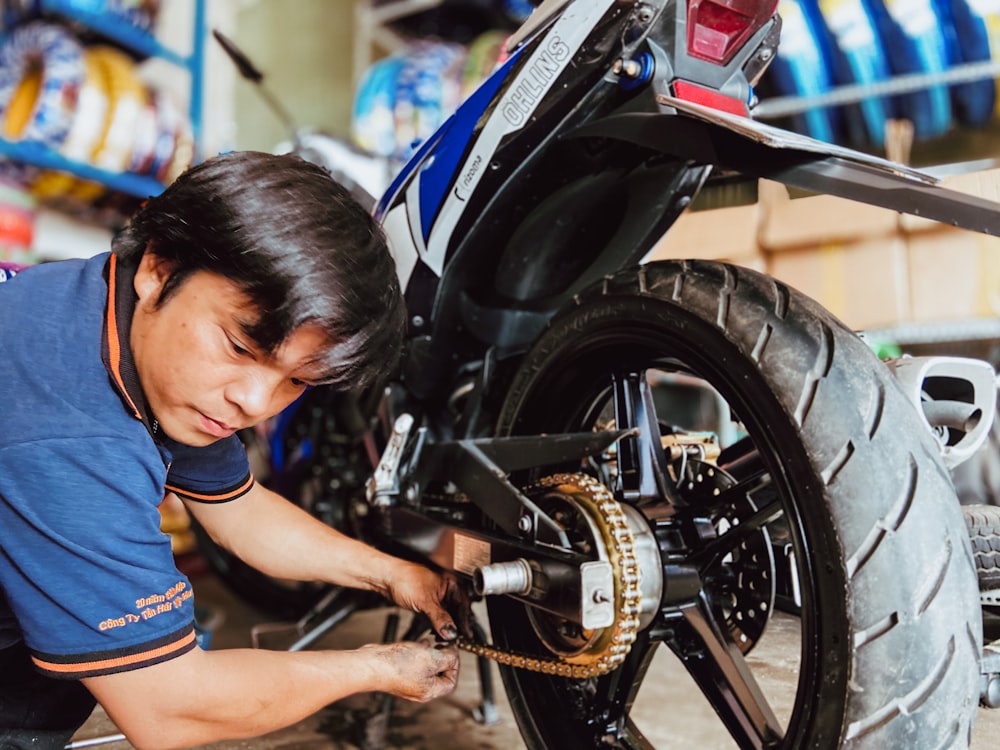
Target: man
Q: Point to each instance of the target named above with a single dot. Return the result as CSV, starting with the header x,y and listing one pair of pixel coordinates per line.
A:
x,y
126,376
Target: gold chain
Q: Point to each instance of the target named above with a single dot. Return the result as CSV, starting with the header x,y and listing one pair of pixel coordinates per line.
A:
x,y
610,650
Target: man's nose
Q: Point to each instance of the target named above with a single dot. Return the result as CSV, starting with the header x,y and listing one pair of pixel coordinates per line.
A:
x,y
253,394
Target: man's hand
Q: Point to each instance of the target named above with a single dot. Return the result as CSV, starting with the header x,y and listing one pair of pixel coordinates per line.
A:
x,y
441,597
416,671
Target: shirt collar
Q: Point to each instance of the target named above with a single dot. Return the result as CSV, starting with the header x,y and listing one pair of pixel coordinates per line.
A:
x,y
116,351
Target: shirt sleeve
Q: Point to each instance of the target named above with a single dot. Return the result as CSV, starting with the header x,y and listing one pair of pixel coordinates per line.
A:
x,y
211,474
83,564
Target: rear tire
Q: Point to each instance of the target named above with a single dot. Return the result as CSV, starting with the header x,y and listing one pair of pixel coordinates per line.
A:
x,y
890,622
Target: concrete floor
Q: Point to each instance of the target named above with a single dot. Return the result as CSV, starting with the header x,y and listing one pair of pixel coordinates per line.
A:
x,y
449,722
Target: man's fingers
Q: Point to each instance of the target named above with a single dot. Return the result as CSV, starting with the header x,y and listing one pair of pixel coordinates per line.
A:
x,y
444,675
419,670
448,661
442,623
457,600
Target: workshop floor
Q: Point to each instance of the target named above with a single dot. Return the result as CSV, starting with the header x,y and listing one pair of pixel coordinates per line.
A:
x,y
449,722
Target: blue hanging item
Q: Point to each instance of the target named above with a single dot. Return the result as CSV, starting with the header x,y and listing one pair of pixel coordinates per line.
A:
x,y
517,10
914,43
801,69
858,58
427,91
968,39
373,125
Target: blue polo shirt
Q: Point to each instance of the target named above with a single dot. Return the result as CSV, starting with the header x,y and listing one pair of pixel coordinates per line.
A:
x,y
87,579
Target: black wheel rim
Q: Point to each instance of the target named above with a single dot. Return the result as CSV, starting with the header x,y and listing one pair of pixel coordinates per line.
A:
x,y
607,712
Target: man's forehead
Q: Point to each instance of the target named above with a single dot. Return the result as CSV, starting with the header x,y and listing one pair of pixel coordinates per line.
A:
x,y
307,347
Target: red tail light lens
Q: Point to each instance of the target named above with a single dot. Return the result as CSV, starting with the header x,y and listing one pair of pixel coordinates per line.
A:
x,y
716,29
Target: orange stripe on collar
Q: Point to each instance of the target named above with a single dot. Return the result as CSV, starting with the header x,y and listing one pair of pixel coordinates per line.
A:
x,y
114,344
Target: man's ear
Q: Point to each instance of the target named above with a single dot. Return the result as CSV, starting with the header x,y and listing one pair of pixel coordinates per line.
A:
x,y
151,275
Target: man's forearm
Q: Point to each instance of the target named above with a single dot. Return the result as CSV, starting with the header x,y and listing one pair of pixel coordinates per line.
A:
x,y
280,539
209,696
206,696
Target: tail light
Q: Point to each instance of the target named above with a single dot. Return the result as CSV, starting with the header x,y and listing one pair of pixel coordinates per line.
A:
x,y
716,29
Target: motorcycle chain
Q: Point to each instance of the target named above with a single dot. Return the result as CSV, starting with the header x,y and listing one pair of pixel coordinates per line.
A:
x,y
609,652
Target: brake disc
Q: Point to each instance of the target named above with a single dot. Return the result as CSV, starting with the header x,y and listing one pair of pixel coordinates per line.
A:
x,y
741,583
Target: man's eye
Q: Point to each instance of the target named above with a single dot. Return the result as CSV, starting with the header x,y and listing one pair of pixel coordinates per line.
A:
x,y
299,383
241,350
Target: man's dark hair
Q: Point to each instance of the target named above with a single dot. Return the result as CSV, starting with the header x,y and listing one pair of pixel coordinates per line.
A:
x,y
295,241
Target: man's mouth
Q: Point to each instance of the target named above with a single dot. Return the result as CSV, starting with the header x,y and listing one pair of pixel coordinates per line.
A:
x,y
216,428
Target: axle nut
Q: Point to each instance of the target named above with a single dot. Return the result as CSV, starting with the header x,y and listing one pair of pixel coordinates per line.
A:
x,y
512,577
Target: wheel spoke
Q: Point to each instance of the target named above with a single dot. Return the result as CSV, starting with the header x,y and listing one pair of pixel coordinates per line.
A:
x,y
616,693
721,671
642,465
730,540
742,461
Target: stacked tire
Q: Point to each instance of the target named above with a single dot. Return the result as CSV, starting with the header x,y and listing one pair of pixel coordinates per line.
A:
x,y
88,104
841,43
404,98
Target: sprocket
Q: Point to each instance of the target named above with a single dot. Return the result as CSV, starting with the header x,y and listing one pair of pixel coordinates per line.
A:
x,y
597,521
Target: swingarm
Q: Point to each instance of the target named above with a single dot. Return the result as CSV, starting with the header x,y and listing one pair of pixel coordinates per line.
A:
x,y
529,555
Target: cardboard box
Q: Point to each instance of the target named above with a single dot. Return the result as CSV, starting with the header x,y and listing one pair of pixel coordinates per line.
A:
x,y
715,234
757,262
864,283
870,267
787,223
953,274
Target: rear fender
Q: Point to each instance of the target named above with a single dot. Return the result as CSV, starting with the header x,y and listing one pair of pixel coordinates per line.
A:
x,y
738,144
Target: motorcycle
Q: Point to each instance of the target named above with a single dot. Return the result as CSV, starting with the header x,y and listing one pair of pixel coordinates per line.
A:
x,y
625,458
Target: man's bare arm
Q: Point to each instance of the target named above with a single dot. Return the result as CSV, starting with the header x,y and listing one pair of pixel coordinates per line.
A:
x,y
278,538
207,696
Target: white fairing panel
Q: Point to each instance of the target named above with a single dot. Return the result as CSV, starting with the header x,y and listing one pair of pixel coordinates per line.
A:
x,y
401,245
515,109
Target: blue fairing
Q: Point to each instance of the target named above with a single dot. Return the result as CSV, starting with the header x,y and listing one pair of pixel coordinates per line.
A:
x,y
451,141
404,174
438,176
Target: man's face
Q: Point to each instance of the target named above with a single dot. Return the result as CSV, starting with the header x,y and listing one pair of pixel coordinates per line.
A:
x,y
202,376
